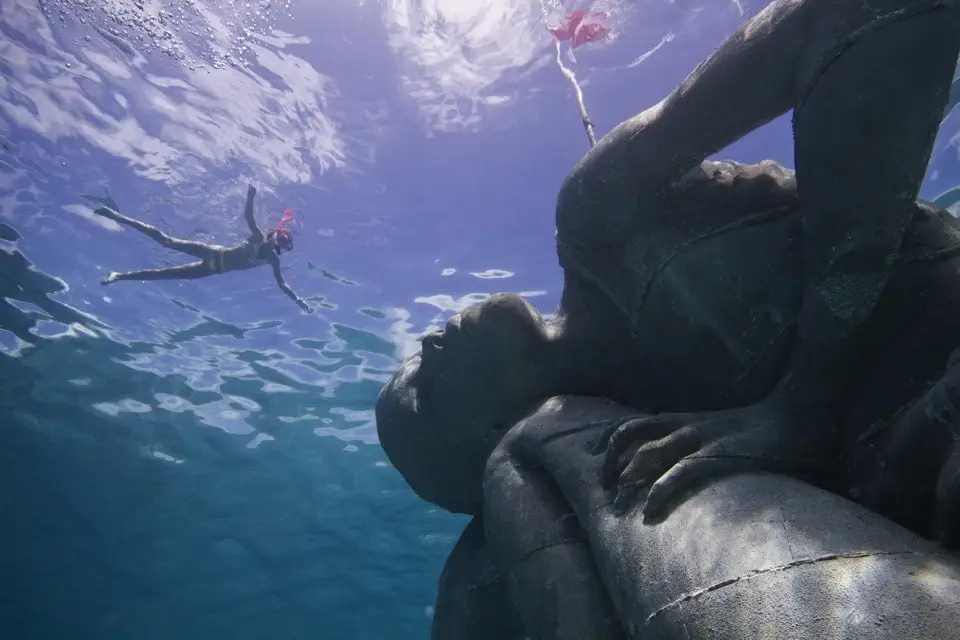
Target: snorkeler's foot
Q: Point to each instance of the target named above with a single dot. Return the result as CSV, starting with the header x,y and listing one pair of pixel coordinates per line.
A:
x,y
106,212
107,201
113,277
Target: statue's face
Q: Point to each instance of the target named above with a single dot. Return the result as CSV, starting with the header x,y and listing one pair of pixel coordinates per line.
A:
x,y
445,408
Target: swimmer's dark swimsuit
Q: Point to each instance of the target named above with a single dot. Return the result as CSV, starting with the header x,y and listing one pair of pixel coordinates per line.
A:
x,y
215,262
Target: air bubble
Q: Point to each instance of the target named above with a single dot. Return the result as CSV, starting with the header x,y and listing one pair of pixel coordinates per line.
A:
x,y
177,30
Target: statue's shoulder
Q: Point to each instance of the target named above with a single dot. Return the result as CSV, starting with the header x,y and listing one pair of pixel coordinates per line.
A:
x,y
720,184
619,242
715,192
560,417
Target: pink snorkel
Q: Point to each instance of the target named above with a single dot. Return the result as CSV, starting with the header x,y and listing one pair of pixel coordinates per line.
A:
x,y
283,234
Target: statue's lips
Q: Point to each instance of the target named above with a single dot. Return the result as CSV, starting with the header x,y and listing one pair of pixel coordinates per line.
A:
x,y
433,345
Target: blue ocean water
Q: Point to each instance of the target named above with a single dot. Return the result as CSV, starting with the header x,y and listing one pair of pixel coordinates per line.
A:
x,y
198,459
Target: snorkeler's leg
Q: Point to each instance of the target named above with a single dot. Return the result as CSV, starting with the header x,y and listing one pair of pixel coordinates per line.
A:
x,y
147,229
181,272
193,248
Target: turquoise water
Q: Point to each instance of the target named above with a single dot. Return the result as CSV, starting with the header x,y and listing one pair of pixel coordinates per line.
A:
x,y
198,459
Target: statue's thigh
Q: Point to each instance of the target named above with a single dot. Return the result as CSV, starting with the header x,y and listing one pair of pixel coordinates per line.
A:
x,y
896,468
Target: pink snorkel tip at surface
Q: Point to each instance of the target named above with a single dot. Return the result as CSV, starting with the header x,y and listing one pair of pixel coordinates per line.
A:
x,y
283,234
285,219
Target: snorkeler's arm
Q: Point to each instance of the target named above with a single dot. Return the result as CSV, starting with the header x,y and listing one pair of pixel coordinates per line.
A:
x,y
286,288
255,231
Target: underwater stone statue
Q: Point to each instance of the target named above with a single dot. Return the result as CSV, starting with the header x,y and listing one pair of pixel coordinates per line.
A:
x,y
750,556
803,322
552,555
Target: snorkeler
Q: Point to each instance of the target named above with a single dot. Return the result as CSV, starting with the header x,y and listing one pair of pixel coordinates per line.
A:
x,y
256,250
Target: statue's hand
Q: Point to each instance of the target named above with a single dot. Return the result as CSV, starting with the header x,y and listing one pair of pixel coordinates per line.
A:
x,y
676,453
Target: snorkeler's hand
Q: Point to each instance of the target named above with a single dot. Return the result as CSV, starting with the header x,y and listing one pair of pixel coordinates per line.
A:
x,y
303,305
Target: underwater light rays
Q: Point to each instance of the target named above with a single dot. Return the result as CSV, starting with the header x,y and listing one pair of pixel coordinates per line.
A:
x,y
167,125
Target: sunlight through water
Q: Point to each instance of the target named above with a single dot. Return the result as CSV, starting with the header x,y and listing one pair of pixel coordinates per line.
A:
x,y
198,458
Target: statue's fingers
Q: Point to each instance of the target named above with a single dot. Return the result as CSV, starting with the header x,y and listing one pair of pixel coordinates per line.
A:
x,y
763,448
629,495
651,461
687,476
627,438
603,442
654,459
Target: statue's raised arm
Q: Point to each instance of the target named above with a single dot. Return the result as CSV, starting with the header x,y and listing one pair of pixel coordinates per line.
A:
x,y
868,83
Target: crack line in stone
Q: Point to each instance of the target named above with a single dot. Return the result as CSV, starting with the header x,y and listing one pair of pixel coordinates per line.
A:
x,y
758,572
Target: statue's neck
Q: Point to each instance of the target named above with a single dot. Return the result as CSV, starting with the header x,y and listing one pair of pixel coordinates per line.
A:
x,y
573,364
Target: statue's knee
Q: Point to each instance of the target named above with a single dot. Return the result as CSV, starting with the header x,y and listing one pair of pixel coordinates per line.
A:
x,y
948,500
953,360
944,399
911,472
